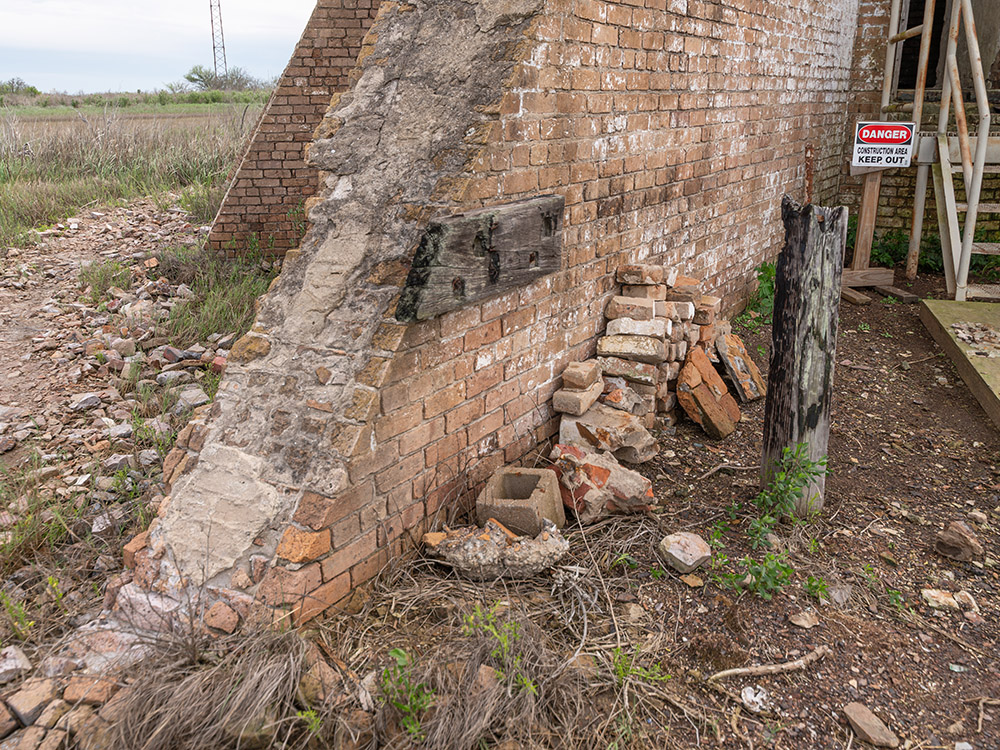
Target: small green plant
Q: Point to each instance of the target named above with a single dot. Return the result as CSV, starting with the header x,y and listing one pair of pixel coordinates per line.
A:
x,y
760,306
814,545
410,698
715,534
55,589
313,720
816,587
17,617
864,327
769,576
896,599
791,477
886,335
625,560
504,636
626,668
656,572
890,300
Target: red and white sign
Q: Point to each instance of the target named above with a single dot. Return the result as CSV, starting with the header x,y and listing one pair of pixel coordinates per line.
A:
x,y
883,144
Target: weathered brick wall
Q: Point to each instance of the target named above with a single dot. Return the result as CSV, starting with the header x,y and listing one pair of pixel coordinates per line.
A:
x,y
264,206
672,129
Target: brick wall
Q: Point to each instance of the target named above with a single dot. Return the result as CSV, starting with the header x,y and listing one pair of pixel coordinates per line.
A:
x,y
264,205
671,127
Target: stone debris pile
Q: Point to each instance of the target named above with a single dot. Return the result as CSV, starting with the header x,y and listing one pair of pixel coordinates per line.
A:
x,y
983,339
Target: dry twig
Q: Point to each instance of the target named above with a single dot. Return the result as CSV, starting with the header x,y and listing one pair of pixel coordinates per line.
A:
x,y
788,666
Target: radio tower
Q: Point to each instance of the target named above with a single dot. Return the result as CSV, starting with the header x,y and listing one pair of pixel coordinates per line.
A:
x,y
218,40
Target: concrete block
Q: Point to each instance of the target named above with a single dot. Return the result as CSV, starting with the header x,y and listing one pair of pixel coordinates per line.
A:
x,y
520,498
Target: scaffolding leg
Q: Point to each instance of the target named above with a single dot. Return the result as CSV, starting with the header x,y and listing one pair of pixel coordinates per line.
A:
x,y
917,222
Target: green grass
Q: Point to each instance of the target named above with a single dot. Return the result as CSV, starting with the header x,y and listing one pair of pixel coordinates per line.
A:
x,y
51,169
98,278
225,292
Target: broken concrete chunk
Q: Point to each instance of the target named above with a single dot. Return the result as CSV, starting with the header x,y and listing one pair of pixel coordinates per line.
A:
x,y
747,381
579,376
522,500
606,429
635,372
577,402
630,307
494,552
684,551
657,327
595,484
636,348
640,274
869,727
958,542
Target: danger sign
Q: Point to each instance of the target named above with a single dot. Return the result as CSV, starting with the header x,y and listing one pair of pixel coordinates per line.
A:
x,y
883,144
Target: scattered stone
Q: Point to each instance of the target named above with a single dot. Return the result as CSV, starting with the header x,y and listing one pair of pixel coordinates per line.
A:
x,y
120,431
692,580
13,664
89,689
173,377
190,398
576,402
806,619
8,723
963,746
966,601
685,551
493,551
607,429
85,402
636,348
978,517
28,702
115,462
579,376
869,727
958,542
522,500
595,484
938,599
222,617
52,713
747,381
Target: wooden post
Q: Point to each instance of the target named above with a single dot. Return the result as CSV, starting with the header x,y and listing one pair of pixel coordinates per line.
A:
x,y
804,338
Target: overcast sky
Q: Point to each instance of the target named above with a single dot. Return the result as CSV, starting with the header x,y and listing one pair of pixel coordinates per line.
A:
x,y
125,45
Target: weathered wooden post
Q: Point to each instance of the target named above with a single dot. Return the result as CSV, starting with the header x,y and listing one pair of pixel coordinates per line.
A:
x,y
804,339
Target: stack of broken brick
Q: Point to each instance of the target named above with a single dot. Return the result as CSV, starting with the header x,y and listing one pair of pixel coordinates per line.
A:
x,y
660,351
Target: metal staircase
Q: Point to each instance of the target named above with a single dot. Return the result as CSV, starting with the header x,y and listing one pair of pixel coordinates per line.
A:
x,y
947,155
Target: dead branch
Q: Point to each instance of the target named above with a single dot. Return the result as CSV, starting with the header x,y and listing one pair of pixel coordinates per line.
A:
x,y
788,666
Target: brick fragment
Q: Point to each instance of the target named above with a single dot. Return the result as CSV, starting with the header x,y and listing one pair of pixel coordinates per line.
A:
x,y
581,375
636,348
657,327
300,546
640,274
520,498
630,307
645,291
576,402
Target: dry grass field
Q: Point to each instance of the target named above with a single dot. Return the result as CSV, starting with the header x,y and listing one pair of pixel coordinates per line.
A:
x,y
54,163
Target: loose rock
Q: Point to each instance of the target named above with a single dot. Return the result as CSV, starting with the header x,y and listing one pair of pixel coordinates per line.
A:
x,y
958,542
869,727
685,551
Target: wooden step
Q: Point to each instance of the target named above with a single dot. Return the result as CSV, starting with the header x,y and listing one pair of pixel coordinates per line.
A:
x,y
986,248
983,291
984,208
